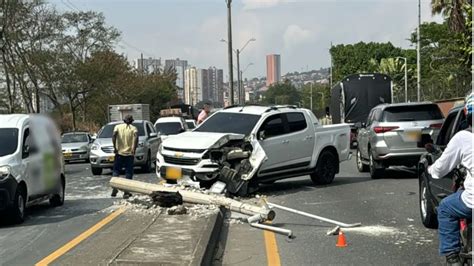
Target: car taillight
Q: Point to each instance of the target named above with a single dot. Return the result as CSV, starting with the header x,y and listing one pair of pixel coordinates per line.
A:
x,y
383,129
437,125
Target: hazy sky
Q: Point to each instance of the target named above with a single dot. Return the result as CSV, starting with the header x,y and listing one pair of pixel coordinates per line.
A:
x,y
300,30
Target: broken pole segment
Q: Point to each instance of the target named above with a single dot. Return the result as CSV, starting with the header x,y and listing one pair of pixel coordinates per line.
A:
x,y
278,230
343,225
195,197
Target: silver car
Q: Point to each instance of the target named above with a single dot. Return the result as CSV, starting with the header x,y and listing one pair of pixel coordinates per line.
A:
x,y
102,150
76,146
391,134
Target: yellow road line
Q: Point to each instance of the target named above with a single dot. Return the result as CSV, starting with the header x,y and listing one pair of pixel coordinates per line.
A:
x,y
273,257
71,244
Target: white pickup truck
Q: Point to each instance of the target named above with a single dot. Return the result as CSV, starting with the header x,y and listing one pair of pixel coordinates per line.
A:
x,y
245,146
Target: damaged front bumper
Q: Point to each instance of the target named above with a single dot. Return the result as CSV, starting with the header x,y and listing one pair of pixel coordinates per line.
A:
x,y
233,159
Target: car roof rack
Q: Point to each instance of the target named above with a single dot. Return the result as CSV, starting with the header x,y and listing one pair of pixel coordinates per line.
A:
x,y
276,107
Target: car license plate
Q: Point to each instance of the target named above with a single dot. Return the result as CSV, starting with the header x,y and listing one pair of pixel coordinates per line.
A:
x,y
414,135
173,173
67,154
111,159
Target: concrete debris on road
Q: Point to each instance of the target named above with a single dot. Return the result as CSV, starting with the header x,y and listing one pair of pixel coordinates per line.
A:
x,y
192,196
177,210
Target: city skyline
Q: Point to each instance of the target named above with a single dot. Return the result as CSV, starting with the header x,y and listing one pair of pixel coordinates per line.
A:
x,y
301,31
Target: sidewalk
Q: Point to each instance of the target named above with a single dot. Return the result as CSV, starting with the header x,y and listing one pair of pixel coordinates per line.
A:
x,y
136,239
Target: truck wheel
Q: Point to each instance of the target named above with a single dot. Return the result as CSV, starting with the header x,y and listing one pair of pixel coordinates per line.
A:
x,y
428,215
326,168
360,164
96,170
58,199
19,206
375,172
147,167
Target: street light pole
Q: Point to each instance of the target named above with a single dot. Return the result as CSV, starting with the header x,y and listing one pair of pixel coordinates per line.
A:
x,y
239,76
229,42
242,91
418,59
239,96
311,99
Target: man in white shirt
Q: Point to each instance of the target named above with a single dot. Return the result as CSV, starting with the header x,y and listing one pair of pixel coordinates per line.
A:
x,y
457,205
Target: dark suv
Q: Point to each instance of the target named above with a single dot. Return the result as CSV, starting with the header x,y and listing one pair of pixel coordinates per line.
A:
x,y
432,191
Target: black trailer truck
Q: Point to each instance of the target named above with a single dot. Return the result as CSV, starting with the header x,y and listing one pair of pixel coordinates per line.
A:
x,y
354,97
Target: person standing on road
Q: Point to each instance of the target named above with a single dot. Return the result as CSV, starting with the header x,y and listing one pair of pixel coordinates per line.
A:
x,y
204,113
327,119
459,204
125,141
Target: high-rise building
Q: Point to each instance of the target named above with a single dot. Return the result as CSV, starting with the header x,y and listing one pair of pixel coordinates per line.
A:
x,y
180,66
216,85
273,69
148,64
191,88
203,84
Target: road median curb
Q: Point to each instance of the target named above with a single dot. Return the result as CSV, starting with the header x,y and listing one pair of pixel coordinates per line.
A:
x,y
209,240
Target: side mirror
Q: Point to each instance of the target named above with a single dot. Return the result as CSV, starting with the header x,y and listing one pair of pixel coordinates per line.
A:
x,y
153,135
261,135
26,151
425,139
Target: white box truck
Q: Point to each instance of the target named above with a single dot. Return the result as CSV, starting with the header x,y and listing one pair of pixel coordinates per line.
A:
x,y
138,111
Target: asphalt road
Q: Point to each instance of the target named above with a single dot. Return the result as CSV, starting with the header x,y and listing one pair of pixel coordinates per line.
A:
x,y
392,233
46,229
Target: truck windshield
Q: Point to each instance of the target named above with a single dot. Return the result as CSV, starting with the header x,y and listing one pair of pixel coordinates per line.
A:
x,y
74,138
170,128
229,123
8,141
108,130
412,113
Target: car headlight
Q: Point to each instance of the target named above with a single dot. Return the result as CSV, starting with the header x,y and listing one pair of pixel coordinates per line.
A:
x,y
84,148
4,172
95,147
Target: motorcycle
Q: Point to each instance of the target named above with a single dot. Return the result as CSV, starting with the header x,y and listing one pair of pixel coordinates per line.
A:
x,y
459,175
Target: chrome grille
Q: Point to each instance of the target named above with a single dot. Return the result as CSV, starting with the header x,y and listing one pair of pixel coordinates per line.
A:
x,y
185,150
181,161
108,149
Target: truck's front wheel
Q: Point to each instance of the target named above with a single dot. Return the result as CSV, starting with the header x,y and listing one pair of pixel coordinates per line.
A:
x,y
326,168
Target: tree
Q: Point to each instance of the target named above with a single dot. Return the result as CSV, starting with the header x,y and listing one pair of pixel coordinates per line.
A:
x,y
321,97
281,94
395,69
454,11
356,58
444,73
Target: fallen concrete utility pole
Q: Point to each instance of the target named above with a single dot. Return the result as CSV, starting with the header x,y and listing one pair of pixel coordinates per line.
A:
x,y
194,197
343,225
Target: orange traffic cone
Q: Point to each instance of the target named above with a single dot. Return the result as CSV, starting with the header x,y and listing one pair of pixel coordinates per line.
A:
x,y
341,240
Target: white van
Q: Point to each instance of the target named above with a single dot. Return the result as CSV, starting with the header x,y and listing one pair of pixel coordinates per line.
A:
x,y
31,164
